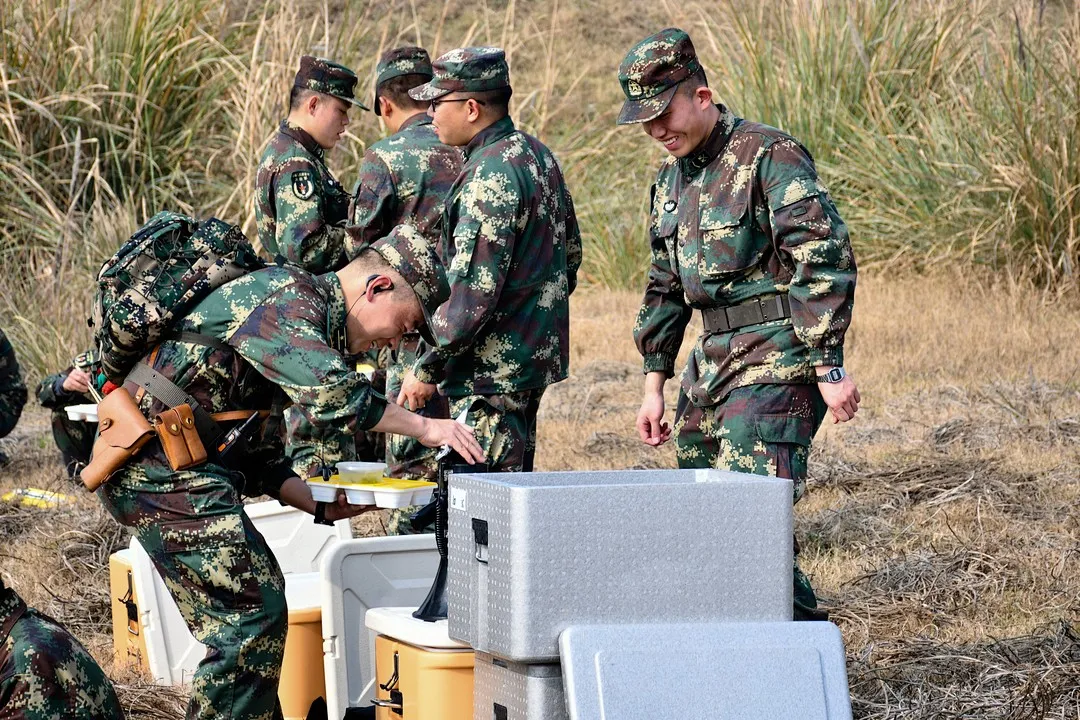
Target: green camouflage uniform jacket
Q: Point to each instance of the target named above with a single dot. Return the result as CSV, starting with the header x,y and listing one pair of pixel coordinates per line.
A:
x,y
742,217
74,438
403,178
512,249
300,209
284,328
45,674
12,387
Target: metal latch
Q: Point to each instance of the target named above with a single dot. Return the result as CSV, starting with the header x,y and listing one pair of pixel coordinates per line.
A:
x,y
480,538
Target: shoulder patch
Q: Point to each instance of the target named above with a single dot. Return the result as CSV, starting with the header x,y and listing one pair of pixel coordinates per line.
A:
x,y
302,184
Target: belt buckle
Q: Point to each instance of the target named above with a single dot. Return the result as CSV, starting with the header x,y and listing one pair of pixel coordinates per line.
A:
x,y
763,306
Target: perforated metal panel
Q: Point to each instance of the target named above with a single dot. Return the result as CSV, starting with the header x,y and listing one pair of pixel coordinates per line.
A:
x,y
515,691
584,548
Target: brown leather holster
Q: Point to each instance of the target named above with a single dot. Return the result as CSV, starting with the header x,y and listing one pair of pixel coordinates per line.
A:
x,y
122,432
179,437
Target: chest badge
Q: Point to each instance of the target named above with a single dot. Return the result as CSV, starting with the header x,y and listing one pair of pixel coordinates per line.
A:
x,y
302,184
670,206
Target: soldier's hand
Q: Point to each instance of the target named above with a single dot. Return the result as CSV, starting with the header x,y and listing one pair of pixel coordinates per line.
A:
x,y
77,381
650,425
842,398
457,435
341,508
414,394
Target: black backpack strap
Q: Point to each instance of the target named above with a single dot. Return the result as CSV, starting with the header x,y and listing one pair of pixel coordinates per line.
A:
x,y
166,391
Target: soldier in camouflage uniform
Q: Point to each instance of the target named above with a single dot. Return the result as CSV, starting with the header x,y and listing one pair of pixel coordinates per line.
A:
x,y
74,438
404,178
12,390
45,673
300,209
275,330
513,248
743,231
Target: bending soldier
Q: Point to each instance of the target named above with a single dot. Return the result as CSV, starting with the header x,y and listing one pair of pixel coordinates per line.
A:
x,y
276,330
513,248
742,231
74,438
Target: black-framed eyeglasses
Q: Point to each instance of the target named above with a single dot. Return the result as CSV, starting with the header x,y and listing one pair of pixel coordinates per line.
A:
x,y
436,103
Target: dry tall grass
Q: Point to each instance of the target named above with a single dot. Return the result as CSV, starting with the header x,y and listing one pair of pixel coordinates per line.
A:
x,y
940,526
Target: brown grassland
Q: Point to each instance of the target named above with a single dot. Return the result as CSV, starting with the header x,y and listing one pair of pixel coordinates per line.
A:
x,y
940,525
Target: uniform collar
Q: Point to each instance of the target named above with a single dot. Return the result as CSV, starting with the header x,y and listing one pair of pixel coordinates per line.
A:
x,y
335,313
420,118
12,608
301,136
713,145
492,133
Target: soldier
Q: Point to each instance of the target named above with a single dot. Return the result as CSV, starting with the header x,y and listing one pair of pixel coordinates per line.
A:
x,y
300,209
404,178
12,391
279,329
45,672
743,231
74,438
511,240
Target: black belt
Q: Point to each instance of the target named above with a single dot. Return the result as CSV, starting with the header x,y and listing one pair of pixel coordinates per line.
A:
x,y
751,312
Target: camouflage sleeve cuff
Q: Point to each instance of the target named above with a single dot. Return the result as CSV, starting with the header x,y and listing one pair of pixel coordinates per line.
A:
x,y
372,414
826,356
660,362
427,369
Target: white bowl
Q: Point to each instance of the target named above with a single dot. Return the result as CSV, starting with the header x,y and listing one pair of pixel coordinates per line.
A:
x,y
360,471
322,492
393,498
360,497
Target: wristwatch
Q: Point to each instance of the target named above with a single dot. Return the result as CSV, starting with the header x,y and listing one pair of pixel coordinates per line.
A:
x,y
833,376
320,514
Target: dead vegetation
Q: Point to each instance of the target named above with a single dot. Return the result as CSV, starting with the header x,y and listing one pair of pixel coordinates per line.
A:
x,y
939,528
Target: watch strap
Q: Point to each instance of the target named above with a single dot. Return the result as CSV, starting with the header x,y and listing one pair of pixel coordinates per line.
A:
x,y
320,514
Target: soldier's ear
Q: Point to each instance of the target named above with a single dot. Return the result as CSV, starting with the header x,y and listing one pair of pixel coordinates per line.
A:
x,y
704,96
385,107
377,284
312,103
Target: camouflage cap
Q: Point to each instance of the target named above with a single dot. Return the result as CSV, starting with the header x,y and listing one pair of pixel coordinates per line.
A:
x,y
471,69
652,70
413,257
327,77
408,60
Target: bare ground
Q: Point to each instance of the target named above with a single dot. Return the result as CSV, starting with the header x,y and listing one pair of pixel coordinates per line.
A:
x,y
940,527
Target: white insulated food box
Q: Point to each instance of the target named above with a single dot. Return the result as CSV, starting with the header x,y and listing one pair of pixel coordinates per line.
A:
x,y
516,691
531,554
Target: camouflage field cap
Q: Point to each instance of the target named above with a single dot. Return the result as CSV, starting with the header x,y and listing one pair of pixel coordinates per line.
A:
x,y
471,69
327,77
652,70
409,60
413,257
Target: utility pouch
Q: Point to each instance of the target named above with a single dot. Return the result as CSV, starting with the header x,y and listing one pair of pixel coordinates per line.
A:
x,y
179,437
122,432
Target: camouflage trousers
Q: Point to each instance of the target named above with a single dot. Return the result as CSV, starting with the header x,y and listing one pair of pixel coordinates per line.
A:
x,y
45,673
505,427
74,439
227,585
757,429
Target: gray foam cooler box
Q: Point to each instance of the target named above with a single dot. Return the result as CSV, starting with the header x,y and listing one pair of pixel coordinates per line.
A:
x,y
724,671
532,553
516,691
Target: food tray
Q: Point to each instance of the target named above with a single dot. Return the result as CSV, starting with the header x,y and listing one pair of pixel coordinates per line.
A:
x,y
86,412
385,493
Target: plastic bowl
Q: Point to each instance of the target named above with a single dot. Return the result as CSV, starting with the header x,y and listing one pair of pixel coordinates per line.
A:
x,y
361,472
321,491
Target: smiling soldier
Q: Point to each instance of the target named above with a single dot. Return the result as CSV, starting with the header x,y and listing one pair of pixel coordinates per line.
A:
x,y
742,231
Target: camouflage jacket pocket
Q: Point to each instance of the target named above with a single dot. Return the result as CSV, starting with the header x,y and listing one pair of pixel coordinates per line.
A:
x,y
211,558
728,241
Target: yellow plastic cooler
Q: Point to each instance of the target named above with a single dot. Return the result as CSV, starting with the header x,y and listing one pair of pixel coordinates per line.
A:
x,y
420,673
129,645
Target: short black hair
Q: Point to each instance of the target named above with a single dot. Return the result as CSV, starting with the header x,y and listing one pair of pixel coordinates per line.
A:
x,y
693,82
497,100
396,90
297,97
